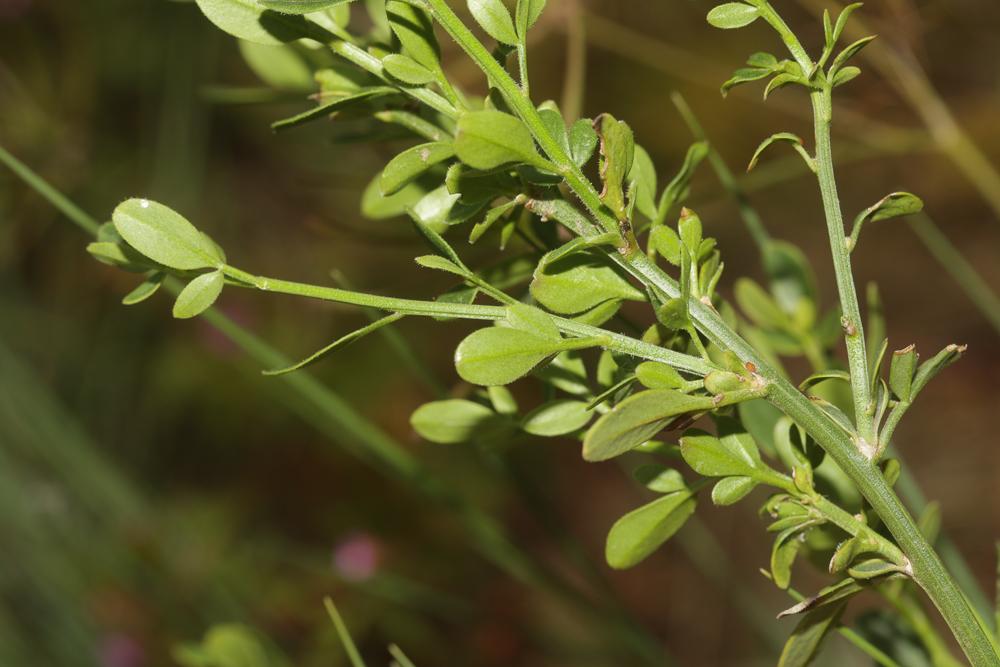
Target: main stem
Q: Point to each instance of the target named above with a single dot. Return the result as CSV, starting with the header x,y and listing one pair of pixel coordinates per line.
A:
x,y
853,326
925,564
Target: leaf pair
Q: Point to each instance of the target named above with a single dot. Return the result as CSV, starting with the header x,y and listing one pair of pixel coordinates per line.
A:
x,y
495,19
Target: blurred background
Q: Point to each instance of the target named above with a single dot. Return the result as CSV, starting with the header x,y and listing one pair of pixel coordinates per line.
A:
x,y
154,485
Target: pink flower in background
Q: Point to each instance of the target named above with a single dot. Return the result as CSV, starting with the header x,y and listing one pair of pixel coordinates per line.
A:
x,y
356,557
120,650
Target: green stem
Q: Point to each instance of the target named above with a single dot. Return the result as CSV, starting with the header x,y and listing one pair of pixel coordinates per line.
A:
x,y
583,335
857,355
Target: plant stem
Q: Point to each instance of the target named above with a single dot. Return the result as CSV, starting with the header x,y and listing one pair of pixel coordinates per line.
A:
x,y
857,355
582,334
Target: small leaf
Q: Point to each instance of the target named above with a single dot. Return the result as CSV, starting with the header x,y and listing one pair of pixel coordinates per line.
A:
x,y
642,531
930,368
337,344
896,205
655,375
456,421
528,12
786,137
253,22
199,295
678,187
802,647
689,229
838,30
490,139
617,154
580,282
643,178
745,75
411,163
832,594
557,418
300,6
902,371
846,75
659,479
360,98
734,454
415,32
583,141
849,52
758,305
492,216
823,376
786,548
665,241
872,569
145,289
500,355
733,15
494,18
637,419
164,236
406,69
731,490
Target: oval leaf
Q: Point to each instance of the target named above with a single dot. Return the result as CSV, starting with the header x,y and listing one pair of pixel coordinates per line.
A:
x,y
501,355
489,139
493,17
637,419
557,418
455,421
733,15
199,295
164,236
407,70
641,532
411,163
253,22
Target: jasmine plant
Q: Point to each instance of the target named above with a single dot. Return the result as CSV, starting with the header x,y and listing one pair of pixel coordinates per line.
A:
x,y
699,397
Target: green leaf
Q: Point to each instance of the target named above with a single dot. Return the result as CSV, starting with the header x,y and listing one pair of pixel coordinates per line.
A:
x,y
902,371
494,18
492,216
406,69
415,32
733,15
744,75
664,241
583,141
732,455
656,375
731,490
145,289
873,568
617,154
165,236
786,137
376,206
280,66
930,368
490,139
360,98
557,418
199,295
411,163
690,231
337,344
832,594
500,355
579,282
659,479
528,12
455,421
849,52
642,531
758,305
637,419
249,20
823,376
846,75
786,548
803,645
643,177
678,187
300,6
